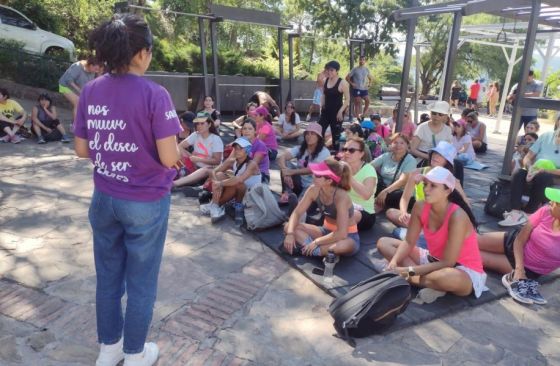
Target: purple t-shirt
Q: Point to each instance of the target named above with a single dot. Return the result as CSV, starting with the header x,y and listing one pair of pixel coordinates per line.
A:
x,y
258,147
121,117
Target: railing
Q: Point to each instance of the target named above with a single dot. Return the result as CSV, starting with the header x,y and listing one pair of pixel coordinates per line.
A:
x,y
31,69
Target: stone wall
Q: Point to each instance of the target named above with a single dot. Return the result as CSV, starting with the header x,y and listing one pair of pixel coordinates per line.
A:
x,y
20,91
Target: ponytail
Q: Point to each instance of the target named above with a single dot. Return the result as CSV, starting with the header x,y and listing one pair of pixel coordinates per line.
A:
x,y
456,198
342,170
117,41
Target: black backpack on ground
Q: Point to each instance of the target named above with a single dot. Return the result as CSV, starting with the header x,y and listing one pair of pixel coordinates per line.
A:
x,y
499,199
371,306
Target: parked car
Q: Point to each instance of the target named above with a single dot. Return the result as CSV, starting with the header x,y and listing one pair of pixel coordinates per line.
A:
x,y
16,26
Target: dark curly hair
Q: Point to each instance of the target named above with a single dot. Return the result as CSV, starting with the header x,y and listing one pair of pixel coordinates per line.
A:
x,y
117,41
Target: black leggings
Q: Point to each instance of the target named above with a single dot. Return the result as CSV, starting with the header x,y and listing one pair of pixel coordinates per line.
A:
x,y
327,119
296,179
393,199
535,188
367,221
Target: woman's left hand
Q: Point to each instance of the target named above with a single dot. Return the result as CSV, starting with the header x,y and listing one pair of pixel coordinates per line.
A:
x,y
380,199
401,271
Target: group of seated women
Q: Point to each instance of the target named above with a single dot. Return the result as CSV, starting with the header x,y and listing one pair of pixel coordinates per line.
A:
x,y
437,246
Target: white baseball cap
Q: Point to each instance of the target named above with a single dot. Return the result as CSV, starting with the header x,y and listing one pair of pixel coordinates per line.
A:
x,y
440,175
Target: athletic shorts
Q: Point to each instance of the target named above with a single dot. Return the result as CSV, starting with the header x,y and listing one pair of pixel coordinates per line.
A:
x,y
317,94
471,101
324,231
359,93
478,279
509,238
64,89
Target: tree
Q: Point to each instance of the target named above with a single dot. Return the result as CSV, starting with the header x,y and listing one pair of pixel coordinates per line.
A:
x,y
369,20
432,58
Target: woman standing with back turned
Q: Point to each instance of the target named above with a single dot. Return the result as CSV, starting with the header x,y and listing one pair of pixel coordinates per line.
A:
x,y
127,125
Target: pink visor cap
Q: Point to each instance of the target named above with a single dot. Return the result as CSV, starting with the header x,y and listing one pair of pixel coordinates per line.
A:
x,y
441,176
323,170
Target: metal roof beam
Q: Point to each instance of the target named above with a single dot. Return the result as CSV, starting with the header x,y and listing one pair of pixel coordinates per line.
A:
x,y
487,6
418,12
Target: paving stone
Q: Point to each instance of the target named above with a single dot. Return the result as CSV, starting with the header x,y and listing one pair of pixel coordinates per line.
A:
x,y
33,276
438,335
9,350
73,353
37,341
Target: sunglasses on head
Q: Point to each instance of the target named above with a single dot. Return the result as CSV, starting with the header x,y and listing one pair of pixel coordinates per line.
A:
x,y
351,150
438,114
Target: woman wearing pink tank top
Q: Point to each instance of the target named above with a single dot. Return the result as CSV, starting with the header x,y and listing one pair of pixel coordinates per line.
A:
x,y
452,262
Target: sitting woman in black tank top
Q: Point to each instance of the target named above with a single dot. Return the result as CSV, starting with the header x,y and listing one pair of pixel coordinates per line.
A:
x,y
339,232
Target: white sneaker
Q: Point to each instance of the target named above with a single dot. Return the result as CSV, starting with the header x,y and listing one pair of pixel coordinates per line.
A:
x,y
206,208
428,296
514,218
110,354
217,213
145,358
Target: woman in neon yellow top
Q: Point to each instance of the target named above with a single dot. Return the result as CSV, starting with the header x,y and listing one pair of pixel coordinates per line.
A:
x,y
442,155
363,182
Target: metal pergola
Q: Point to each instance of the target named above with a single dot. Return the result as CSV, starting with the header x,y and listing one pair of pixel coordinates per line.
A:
x,y
534,12
509,39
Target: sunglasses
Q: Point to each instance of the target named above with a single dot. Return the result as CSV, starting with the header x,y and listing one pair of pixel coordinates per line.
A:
x,y
438,114
320,176
351,150
469,121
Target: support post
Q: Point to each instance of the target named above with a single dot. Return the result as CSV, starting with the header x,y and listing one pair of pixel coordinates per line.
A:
x,y
291,62
202,39
416,85
280,67
525,66
214,42
548,56
351,103
410,29
451,55
505,87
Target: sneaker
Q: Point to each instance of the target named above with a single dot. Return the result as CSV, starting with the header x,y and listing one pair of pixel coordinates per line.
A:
x,y
110,354
534,293
519,290
41,141
147,357
65,139
206,208
16,139
514,218
428,296
217,213
6,138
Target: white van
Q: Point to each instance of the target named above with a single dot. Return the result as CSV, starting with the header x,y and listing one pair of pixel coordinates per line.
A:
x,y
16,26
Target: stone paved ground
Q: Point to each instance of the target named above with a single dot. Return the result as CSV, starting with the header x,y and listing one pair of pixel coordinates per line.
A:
x,y
224,298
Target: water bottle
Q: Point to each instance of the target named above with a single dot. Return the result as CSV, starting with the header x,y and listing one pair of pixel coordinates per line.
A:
x,y
239,214
330,261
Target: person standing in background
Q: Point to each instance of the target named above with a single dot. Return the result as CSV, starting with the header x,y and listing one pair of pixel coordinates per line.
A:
x,y
472,101
360,79
73,80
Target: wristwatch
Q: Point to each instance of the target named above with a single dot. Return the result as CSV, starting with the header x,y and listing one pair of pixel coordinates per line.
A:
x,y
411,271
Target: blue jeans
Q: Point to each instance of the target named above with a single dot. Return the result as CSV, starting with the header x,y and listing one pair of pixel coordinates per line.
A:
x,y
128,239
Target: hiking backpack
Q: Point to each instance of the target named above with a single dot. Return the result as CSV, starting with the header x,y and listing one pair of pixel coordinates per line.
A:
x,y
371,306
261,208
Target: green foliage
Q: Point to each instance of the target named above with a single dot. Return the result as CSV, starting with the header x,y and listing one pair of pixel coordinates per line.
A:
x,y
73,19
29,69
553,84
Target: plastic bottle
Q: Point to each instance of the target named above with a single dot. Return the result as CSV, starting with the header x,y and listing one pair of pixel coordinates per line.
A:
x,y
239,214
330,261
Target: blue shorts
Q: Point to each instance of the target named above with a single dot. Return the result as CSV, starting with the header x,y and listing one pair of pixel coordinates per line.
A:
x,y
359,93
324,231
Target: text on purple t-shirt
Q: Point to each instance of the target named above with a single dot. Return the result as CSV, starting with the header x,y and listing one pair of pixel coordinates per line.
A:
x,y
121,117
